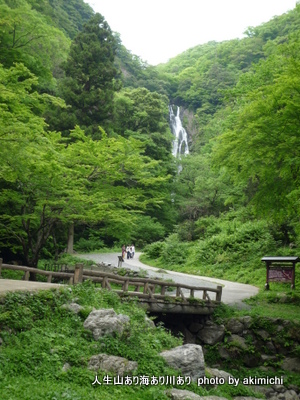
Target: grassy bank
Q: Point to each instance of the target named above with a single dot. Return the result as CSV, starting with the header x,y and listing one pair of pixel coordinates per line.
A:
x,y
44,350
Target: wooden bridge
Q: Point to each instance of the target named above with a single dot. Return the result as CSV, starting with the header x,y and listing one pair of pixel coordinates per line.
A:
x,y
156,296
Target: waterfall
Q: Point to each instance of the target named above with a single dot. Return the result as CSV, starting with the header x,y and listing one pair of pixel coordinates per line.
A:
x,y
180,142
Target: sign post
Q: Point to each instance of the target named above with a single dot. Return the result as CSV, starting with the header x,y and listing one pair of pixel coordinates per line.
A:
x,y
280,269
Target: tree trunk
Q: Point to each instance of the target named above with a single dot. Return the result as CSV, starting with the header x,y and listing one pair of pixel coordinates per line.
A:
x,y
70,239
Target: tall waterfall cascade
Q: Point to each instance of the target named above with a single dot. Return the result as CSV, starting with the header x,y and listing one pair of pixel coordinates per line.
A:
x,y
180,142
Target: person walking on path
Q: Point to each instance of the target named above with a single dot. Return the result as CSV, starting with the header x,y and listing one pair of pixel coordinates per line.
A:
x,y
128,252
132,248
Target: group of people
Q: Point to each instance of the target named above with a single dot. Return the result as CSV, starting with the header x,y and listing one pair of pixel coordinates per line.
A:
x,y
128,251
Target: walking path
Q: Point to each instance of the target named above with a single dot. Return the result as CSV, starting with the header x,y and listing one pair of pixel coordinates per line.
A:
x,y
233,293
11,285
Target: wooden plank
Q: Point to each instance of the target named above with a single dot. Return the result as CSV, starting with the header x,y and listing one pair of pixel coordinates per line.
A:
x,y
182,295
108,285
150,292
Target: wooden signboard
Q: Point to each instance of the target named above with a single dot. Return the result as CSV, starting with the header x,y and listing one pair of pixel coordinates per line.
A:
x,y
280,269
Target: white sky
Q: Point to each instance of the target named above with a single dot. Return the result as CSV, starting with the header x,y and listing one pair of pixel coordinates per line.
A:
x,y
157,30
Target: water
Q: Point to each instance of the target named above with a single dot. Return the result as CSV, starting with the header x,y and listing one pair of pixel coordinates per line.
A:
x,y
180,142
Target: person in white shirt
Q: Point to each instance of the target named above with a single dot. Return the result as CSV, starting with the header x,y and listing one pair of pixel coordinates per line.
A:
x,y
128,252
132,250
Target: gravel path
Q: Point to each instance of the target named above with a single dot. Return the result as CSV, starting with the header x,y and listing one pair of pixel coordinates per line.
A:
x,y
233,293
11,285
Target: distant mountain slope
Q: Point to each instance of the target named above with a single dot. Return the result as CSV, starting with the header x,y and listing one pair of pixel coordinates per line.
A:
x,y
69,16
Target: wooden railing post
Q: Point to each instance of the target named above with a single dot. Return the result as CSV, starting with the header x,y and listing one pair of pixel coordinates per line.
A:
x,y
78,274
103,283
126,285
219,294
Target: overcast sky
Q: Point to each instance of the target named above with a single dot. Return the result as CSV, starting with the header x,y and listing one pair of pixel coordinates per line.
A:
x,y
157,30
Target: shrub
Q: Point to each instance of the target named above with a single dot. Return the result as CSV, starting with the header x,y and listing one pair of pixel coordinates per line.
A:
x,y
174,252
147,230
86,245
229,244
154,250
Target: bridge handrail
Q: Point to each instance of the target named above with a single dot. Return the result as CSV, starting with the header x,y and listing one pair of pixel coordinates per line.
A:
x,y
147,285
28,270
88,272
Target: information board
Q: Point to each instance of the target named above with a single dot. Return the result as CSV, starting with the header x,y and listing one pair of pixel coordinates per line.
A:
x,y
280,269
280,274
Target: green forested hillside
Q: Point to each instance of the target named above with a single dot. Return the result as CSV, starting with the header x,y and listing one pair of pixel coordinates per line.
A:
x,y
69,157
87,144
69,16
238,193
85,148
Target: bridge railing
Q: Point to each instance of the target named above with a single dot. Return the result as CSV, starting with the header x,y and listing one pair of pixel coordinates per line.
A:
x,y
28,270
143,288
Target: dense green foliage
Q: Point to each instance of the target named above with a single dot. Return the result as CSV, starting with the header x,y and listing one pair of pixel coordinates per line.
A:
x,y
69,16
228,247
237,196
67,157
50,184
26,37
80,150
112,174
90,79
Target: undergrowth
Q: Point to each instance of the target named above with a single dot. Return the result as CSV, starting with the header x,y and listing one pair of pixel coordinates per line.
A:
x,y
44,350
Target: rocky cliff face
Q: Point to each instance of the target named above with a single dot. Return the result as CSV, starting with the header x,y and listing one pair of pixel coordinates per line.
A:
x,y
190,123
